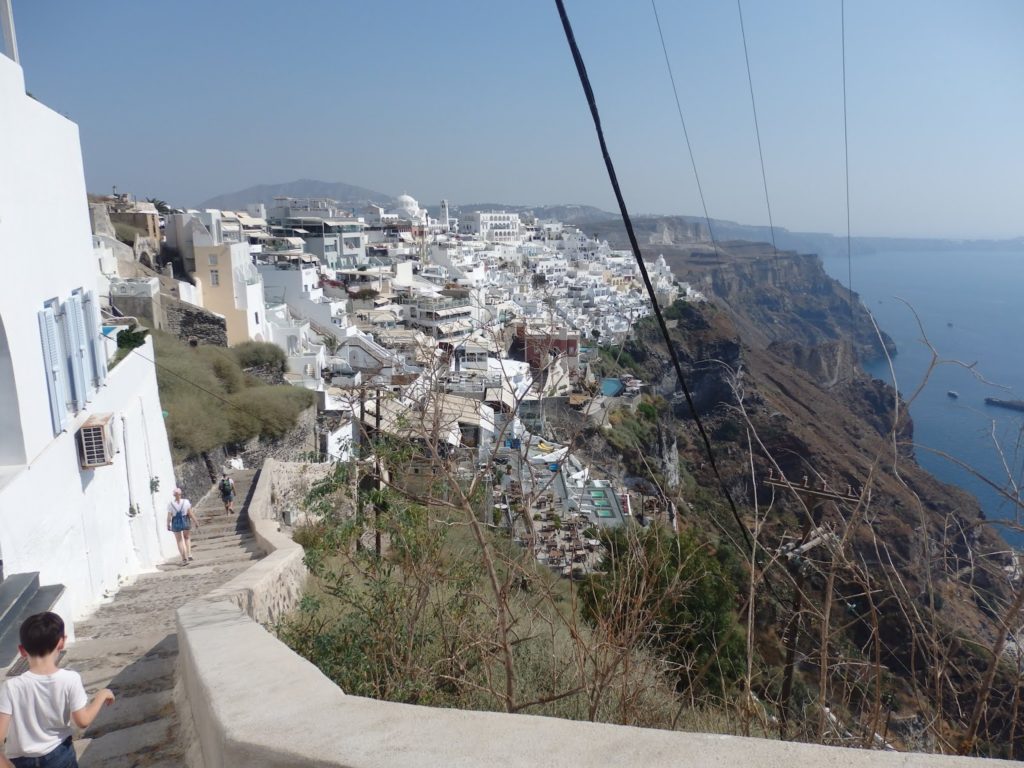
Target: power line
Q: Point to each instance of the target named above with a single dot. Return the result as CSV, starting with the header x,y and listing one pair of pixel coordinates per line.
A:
x,y
634,244
846,158
757,131
682,122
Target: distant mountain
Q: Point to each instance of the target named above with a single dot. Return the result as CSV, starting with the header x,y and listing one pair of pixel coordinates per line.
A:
x,y
669,232
349,195
673,233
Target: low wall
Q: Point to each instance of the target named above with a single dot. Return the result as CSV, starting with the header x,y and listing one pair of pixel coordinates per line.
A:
x,y
273,586
254,702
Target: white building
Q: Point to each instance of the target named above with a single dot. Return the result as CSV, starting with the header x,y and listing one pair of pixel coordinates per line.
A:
x,y
493,226
217,255
295,281
85,468
408,209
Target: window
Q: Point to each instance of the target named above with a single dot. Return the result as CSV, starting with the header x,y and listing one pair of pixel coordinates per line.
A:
x,y
213,259
257,317
214,277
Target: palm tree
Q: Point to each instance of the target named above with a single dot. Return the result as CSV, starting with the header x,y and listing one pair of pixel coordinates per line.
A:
x,y
161,206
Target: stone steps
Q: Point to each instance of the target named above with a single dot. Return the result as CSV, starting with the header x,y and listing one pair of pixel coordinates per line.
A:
x,y
21,596
145,744
130,645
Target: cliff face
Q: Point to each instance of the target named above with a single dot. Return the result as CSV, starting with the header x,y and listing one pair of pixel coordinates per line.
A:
x,y
773,357
788,299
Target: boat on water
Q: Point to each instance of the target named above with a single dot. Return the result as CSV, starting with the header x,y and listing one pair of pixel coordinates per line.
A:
x,y
953,394
1013,405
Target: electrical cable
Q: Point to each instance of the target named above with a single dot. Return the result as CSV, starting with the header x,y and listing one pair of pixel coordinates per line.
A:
x,y
634,244
757,131
686,135
846,159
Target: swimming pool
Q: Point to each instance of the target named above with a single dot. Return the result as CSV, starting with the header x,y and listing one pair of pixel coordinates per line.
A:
x,y
612,387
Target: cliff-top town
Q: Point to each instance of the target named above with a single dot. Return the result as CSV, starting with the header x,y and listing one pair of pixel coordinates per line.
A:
x,y
319,481
496,313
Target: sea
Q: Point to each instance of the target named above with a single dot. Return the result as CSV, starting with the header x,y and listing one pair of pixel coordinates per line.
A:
x,y
969,305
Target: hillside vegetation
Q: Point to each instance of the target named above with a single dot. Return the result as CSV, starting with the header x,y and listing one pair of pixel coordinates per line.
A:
x,y
210,400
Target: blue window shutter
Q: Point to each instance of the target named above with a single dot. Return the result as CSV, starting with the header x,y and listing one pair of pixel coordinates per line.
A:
x,y
74,330
94,332
54,369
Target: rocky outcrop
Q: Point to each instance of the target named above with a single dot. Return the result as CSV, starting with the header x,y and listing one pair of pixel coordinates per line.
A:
x,y
789,298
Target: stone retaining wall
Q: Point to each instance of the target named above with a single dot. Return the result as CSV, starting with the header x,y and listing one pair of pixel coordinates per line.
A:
x,y
187,321
254,702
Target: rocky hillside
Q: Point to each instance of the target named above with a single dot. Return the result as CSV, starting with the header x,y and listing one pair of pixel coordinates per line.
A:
x,y
908,585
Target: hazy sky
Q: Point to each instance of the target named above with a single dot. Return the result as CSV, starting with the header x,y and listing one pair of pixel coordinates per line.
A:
x,y
476,100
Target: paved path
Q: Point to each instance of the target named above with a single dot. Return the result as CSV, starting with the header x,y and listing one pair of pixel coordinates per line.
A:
x,y
130,644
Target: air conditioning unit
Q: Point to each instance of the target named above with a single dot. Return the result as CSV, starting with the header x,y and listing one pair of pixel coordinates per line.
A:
x,y
95,447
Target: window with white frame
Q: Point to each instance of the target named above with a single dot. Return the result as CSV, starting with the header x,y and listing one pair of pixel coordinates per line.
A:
x,y
214,277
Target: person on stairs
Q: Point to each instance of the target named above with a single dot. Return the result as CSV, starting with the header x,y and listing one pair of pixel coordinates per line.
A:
x,y
227,492
37,707
181,520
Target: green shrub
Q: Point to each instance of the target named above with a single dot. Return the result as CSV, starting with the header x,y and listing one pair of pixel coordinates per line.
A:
x,y
683,589
131,337
211,402
251,354
267,411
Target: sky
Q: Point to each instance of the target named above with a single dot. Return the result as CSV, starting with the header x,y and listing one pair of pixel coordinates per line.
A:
x,y
479,101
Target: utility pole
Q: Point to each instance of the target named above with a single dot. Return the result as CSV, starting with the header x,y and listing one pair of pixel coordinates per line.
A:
x,y
361,434
812,499
376,460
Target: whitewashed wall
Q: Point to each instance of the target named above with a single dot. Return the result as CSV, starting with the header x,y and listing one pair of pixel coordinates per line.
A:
x,y
72,526
45,237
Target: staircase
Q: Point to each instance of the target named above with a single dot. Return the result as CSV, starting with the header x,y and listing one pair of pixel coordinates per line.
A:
x,y
131,646
20,597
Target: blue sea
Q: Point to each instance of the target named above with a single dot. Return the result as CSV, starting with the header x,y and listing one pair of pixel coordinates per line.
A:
x,y
971,307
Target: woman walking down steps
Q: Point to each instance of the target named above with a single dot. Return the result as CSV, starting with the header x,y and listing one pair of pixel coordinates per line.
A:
x,y
130,644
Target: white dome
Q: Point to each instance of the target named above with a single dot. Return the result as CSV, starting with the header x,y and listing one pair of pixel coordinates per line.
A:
x,y
407,208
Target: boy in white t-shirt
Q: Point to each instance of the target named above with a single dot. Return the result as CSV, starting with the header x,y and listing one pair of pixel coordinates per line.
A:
x,y
38,706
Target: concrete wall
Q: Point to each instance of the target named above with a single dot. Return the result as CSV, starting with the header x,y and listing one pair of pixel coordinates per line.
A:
x,y
147,309
249,700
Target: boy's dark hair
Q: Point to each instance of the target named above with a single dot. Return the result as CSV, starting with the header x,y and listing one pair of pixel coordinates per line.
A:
x,y
41,633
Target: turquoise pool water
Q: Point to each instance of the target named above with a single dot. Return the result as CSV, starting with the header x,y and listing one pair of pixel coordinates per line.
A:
x,y
612,387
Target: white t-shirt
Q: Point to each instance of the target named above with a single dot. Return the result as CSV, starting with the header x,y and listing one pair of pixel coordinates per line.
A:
x,y
40,707
179,508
